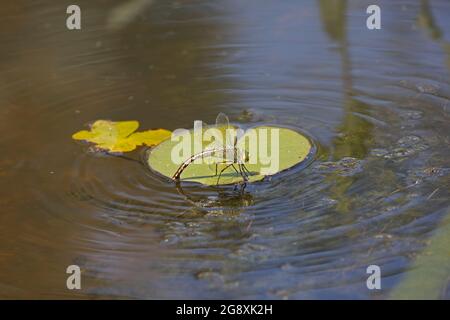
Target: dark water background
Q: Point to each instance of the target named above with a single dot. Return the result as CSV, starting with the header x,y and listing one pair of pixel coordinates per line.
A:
x,y
376,103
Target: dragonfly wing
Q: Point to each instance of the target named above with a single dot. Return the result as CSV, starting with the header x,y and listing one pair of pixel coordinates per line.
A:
x,y
226,148
220,155
228,134
222,120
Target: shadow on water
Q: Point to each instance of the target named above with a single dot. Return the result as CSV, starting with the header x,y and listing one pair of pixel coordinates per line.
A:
x,y
376,103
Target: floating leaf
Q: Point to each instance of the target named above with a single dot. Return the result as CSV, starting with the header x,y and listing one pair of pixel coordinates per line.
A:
x,y
293,149
119,136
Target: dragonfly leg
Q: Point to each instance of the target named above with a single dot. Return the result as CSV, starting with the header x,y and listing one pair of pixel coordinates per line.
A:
x,y
243,173
221,171
235,168
240,172
244,177
248,173
243,187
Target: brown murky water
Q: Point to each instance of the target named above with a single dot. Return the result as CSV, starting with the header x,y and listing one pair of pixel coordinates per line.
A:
x,y
376,103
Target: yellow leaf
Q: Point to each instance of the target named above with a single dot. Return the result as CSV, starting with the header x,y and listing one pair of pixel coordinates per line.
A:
x,y
119,136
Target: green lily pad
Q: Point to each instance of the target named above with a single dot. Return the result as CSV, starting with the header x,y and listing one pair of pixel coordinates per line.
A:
x,y
293,148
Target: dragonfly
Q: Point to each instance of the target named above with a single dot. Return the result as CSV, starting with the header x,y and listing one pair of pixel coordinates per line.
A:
x,y
223,152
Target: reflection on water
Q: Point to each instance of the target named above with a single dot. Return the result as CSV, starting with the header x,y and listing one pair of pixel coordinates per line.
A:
x,y
375,102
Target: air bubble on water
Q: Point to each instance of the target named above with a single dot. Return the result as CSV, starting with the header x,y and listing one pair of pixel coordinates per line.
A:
x,y
379,152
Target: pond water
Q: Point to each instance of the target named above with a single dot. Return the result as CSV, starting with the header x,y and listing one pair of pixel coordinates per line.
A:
x,y
376,104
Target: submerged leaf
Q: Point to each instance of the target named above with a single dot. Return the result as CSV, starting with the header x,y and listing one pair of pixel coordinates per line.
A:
x,y
119,137
430,273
